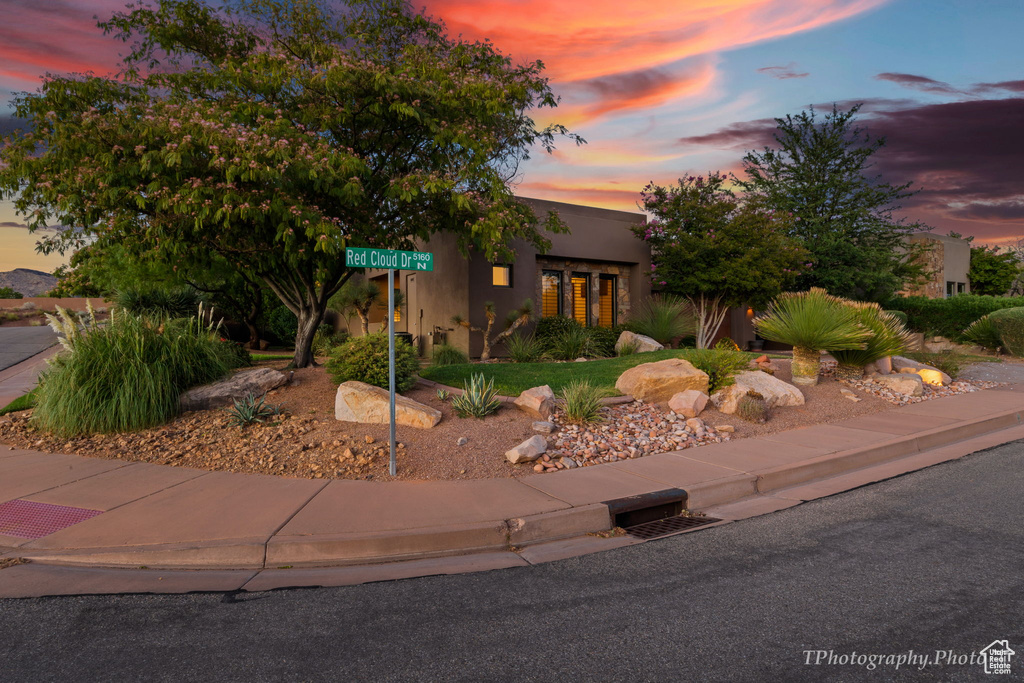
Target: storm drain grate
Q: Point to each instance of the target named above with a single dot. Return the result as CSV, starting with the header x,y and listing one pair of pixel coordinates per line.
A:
x,y
28,519
669,525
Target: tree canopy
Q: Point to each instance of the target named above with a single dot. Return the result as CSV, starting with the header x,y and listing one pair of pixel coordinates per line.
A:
x,y
276,134
993,271
716,250
844,216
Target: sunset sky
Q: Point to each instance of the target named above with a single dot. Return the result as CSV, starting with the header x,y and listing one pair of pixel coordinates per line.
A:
x,y
666,88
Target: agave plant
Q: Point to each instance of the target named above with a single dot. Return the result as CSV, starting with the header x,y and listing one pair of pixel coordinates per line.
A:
x,y
888,337
478,398
811,322
251,410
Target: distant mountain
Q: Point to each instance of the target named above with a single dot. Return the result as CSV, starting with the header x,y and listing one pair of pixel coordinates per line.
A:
x,y
28,282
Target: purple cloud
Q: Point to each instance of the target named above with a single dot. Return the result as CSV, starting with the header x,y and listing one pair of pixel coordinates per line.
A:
x,y
922,83
783,72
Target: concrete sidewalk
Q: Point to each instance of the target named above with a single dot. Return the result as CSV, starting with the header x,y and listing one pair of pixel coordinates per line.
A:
x,y
71,514
21,378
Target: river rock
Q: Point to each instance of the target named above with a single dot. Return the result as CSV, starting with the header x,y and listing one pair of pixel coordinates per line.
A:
x,y
640,342
538,402
257,382
776,393
688,403
527,451
367,404
908,384
660,381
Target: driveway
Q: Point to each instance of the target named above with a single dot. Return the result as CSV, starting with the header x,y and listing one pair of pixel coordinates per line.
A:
x,y
20,343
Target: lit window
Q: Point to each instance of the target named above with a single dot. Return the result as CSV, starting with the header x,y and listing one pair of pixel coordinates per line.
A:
x,y
581,298
607,301
501,276
551,293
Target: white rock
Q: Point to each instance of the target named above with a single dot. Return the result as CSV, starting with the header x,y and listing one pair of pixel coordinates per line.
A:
x,y
527,451
542,427
257,382
641,343
908,384
538,402
367,404
462,441
776,393
688,403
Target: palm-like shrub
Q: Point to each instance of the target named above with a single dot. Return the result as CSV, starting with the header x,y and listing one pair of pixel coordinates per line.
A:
x,y
983,332
155,302
663,318
889,337
811,322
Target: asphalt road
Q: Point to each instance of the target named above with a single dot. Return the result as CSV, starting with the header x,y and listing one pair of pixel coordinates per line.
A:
x,y
932,561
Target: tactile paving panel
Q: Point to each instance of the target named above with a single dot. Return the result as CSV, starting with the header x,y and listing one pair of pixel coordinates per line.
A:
x,y
28,519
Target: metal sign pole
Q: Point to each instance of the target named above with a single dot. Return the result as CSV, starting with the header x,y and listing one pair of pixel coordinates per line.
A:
x,y
391,359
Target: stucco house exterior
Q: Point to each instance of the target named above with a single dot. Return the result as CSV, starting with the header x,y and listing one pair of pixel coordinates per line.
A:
x,y
948,260
593,273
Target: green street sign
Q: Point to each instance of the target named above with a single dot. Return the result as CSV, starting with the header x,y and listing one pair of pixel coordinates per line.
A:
x,y
389,259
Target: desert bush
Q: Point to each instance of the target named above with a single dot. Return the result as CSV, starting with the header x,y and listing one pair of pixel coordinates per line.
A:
x,y
602,341
125,375
570,344
752,407
446,354
478,398
888,337
663,318
553,326
155,302
984,333
282,325
811,322
720,363
1009,323
365,359
325,339
949,317
8,293
582,402
524,348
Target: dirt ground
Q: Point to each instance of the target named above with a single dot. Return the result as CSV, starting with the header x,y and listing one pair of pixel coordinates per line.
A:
x,y
307,441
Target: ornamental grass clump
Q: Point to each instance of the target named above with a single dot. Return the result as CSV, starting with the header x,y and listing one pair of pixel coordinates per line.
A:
x,y
582,402
478,398
663,318
983,332
570,344
125,375
889,337
810,322
446,354
524,348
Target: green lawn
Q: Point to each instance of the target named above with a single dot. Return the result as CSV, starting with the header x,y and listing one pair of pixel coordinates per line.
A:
x,y
23,402
511,379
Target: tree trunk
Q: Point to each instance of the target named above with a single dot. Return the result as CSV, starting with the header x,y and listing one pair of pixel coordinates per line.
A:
x,y
806,364
364,321
254,335
710,314
844,371
309,320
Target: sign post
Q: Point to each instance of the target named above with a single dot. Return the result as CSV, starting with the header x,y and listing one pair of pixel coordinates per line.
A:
x,y
392,260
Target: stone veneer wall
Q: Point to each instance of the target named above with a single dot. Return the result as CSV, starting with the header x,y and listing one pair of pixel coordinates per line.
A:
x,y
594,269
933,258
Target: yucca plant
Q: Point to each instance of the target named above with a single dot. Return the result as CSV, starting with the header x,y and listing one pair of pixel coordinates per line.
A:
x,y
582,402
889,337
983,332
811,322
663,318
250,410
478,399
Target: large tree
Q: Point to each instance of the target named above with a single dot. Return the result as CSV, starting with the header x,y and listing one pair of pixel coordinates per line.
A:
x,y
275,134
716,250
845,216
993,271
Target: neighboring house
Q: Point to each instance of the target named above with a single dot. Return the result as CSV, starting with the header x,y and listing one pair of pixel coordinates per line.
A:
x,y
947,260
593,273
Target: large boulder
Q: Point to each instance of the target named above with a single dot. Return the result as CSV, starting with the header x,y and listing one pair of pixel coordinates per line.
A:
x,y
927,373
640,343
257,382
688,403
367,404
908,384
658,382
538,402
527,451
776,393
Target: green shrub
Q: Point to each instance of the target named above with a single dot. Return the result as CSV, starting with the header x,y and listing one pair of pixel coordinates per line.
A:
x,y
365,359
524,348
1009,322
950,362
236,354
628,348
570,344
888,338
446,354
554,326
478,398
125,375
984,333
282,325
899,315
720,364
602,341
155,302
663,318
326,339
949,317
582,402
8,293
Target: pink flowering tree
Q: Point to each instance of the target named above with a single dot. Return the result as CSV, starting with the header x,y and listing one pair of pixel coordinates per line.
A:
x,y
276,134
716,250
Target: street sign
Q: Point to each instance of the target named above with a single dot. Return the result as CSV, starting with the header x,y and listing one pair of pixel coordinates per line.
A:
x,y
390,259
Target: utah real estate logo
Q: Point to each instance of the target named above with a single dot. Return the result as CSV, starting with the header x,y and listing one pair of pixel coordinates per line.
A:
x,y
997,657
